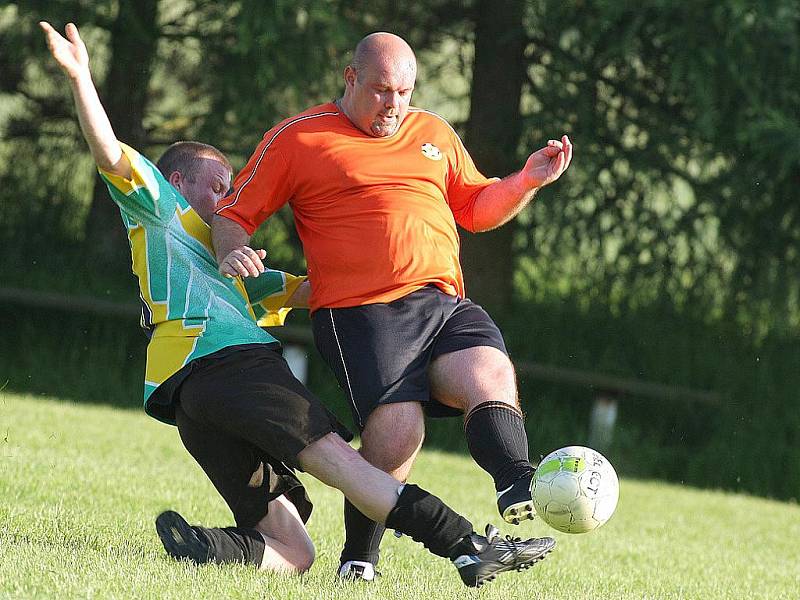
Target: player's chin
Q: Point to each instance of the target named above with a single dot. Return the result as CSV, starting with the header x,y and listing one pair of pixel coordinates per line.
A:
x,y
384,129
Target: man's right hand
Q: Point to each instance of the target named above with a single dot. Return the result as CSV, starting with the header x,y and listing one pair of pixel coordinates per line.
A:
x,y
70,52
243,261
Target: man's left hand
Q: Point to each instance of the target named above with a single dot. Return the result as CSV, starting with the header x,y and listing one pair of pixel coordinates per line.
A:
x,y
546,165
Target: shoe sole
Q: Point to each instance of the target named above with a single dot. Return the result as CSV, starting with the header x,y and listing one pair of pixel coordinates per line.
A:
x,y
179,539
520,567
521,511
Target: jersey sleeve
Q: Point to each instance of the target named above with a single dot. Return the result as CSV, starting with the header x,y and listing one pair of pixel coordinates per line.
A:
x,y
269,293
146,196
260,189
465,184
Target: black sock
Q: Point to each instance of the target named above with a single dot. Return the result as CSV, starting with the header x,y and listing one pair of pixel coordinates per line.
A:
x,y
233,544
497,440
362,536
428,520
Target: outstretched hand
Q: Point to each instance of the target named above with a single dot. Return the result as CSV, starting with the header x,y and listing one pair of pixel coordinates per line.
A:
x,y
69,52
546,165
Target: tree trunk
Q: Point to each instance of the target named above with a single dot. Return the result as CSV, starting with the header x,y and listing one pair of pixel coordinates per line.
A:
x,y
134,36
492,136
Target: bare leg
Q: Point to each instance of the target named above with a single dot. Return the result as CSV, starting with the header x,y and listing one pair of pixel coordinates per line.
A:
x,y
417,513
393,437
288,545
337,464
390,441
481,382
469,377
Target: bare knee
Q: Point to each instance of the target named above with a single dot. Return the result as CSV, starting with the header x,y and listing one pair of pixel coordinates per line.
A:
x,y
303,556
393,436
502,372
288,547
293,558
466,378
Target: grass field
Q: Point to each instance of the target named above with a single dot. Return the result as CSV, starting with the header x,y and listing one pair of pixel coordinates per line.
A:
x,y
80,486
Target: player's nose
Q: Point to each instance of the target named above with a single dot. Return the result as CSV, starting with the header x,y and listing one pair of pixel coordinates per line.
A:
x,y
392,100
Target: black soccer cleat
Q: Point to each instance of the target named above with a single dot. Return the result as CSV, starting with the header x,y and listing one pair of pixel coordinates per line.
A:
x,y
515,503
181,540
494,555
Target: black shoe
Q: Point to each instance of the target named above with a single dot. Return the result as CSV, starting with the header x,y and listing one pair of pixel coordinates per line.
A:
x,y
515,502
494,555
180,539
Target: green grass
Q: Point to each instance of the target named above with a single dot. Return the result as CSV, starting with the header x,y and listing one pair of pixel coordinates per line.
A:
x,y
81,484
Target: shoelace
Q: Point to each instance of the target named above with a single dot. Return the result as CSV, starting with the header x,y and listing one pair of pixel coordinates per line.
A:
x,y
512,544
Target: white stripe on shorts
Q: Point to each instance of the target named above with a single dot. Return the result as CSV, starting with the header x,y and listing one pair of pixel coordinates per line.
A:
x,y
346,374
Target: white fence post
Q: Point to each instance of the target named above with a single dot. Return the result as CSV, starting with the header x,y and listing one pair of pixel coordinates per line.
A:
x,y
298,361
602,420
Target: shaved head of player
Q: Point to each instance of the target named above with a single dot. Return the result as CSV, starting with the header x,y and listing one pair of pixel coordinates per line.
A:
x,y
378,84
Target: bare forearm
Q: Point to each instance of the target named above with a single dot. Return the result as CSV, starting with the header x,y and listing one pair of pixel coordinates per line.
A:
x,y
227,235
500,202
97,129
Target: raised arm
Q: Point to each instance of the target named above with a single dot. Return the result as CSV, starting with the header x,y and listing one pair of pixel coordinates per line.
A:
x,y
71,55
503,200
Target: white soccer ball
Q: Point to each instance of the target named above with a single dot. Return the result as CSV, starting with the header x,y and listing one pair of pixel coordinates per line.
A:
x,y
575,489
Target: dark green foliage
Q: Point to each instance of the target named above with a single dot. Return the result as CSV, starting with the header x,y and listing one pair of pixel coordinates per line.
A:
x,y
686,172
746,442
72,356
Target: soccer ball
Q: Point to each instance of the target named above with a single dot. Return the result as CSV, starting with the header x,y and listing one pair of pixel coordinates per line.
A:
x,y
575,489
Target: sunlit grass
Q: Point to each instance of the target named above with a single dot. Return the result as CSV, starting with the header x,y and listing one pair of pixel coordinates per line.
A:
x,y
81,485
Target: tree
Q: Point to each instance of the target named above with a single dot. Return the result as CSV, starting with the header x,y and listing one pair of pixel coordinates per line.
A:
x,y
44,128
675,195
492,135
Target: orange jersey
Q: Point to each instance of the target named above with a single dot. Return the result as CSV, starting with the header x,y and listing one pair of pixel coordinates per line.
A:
x,y
376,216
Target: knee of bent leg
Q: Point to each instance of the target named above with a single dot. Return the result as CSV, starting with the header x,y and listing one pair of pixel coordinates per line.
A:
x,y
305,558
494,380
303,551
296,556
288,546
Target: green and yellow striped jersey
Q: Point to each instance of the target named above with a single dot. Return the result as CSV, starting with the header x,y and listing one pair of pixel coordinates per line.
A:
x,y
189,310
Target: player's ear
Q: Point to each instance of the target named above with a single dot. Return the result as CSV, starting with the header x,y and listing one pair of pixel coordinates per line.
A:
x,y
175,178
349,75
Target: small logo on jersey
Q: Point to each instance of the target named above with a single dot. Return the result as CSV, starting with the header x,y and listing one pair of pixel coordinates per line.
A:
x,y
431,151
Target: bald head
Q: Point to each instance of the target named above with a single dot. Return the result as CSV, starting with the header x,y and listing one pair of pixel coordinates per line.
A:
x,y
384,49
378,84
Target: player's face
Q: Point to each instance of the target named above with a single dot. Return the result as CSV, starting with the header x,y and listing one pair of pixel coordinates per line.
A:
x,y
379,96
209,185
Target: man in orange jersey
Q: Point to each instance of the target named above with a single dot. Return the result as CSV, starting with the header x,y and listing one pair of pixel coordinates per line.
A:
x,y
377,188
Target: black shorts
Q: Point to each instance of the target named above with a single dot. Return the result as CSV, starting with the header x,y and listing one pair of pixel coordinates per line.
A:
x,y
380,353
244,417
